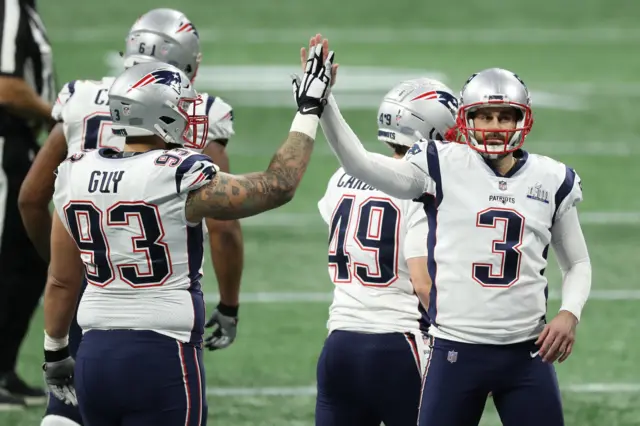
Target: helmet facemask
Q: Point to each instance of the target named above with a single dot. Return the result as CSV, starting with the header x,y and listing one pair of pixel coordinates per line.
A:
x,y
512,139
195,137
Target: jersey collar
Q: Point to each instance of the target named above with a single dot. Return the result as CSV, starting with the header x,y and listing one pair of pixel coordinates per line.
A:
x,y
520,155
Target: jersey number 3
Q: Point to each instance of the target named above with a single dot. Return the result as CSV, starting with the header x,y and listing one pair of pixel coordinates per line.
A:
x,y
375,230
85,221
507,248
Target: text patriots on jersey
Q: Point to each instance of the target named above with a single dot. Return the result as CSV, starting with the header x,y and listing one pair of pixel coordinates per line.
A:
x,y
537,192
502,199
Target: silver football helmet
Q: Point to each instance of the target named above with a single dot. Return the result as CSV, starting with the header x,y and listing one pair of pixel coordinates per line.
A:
x,y
495,87
155,98
164,35
415,109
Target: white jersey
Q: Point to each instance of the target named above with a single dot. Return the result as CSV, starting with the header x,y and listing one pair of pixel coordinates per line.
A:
x,y
371,236
488,240
83,107
143,262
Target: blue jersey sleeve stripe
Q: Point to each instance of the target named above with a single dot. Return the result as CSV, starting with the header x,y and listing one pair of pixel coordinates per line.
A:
x,y
431,203
564,190
433,163
186,165
72,87
210,101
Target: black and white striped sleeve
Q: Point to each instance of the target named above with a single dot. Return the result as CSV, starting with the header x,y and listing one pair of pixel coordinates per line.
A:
x,y
14,30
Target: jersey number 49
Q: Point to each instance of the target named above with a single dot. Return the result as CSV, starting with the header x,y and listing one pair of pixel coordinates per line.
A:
x,y
374,226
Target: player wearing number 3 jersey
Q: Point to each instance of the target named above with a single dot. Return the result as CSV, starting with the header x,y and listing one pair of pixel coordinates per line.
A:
x,y
131,222
370,368
493,212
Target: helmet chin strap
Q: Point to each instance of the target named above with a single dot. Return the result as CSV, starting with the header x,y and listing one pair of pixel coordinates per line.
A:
x,y
493,156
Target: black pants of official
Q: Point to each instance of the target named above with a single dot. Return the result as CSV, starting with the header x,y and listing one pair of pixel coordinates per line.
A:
x,y
22,272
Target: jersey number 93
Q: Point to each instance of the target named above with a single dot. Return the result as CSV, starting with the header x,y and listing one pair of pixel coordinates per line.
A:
x,y
86,224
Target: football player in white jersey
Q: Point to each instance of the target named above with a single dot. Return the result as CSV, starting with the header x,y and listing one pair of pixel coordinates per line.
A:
x,y
370,368
493,212
130,221
82,111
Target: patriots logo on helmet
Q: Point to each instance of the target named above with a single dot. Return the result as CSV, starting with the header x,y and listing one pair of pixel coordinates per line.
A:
x,y
187,27
166,77
445,98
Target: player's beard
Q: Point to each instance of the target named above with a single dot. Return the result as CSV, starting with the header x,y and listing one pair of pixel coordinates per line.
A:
x,y
498,138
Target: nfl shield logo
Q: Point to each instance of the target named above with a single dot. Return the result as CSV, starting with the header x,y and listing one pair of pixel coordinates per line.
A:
x,y
502,185
452,356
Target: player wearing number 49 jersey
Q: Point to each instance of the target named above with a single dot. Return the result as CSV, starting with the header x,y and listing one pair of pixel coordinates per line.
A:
x,y
370,368
131,222
493,212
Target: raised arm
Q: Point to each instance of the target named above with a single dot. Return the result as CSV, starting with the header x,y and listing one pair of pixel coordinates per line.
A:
x,y
398,178
236,196
230,196
395,177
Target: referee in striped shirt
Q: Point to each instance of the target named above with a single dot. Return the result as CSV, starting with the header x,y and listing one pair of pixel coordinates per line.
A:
x,y
27,85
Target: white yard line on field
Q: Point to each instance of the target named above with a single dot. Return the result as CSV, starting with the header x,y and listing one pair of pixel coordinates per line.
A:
x,y
577,148
362,87
322,297
290,391
304,221
377,35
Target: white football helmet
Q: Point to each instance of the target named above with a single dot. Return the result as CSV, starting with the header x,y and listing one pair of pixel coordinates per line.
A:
x,y
415,109
155,98
495,87
164,35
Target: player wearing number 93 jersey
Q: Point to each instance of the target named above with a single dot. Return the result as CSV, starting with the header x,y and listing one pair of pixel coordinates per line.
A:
x,y
493,211
131,222
370,367
85,123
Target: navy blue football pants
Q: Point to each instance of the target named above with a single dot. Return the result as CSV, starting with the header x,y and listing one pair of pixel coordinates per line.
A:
x,y
366,379
459,377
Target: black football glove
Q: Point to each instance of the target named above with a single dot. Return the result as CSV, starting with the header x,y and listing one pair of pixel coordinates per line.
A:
x,y
311,91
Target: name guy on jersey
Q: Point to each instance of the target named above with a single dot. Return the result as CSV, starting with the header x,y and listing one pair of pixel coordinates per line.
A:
x,y
106,180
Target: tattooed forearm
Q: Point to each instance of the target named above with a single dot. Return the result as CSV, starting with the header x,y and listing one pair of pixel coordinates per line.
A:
x,y
237,196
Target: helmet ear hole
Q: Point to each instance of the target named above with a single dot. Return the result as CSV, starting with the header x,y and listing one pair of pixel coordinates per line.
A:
x,y
519,114
167,120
